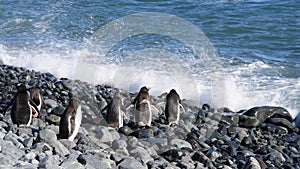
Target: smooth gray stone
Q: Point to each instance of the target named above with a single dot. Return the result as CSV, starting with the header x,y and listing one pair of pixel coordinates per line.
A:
x,y
142,154
14,139
252,163
181,143
107,134
131,163
116,144
10,150
93,160
50,162
51,103
48,136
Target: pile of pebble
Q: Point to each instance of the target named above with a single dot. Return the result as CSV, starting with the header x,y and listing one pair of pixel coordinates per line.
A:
x,y
261,137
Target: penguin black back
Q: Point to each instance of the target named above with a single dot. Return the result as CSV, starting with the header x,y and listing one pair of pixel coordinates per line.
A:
x,y
70,121
114,112
21,111
36,97
172,109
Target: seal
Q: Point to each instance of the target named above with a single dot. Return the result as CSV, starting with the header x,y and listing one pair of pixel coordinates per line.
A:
x,y
115,115
22,108
70,121
172,108
37,98
142,113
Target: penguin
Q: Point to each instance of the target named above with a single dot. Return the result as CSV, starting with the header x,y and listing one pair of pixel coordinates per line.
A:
x,y
36,97
143,114
172,108
115,115
70,121
23,108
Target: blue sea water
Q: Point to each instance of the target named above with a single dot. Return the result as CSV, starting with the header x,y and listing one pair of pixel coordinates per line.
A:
x,y
233,53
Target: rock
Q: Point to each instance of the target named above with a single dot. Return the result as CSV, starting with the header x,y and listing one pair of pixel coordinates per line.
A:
x,y
49,162
180,143
50,102
116,144
14,139
125,130
72,164
28,142
248,121
275,129
142,154
265,112
10,150
170,155
252,163
30,156
58,110
53,119
41,147
130,163
282,122
297,120
48,136
107,134
142,133
94,161
199,156
275,155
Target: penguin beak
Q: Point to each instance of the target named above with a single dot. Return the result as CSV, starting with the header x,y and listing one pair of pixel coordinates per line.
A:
x,y
148,88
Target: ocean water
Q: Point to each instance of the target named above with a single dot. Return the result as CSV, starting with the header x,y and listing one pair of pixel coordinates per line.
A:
x,y
233,53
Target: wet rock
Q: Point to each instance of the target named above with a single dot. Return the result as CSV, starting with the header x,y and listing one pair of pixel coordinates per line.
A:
x,y
297,120
265,112
248,121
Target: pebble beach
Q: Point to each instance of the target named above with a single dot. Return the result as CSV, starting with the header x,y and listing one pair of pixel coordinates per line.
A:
x,y
205,137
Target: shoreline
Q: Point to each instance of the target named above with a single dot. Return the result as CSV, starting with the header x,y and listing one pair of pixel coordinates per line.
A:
x,y
211,138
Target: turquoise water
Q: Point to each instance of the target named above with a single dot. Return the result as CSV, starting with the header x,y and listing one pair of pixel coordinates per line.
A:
x,y
257,47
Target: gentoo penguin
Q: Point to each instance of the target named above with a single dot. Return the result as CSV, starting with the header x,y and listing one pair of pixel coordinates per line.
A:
x,y
36,97
143,114
115,115
70,121
172,109
22,107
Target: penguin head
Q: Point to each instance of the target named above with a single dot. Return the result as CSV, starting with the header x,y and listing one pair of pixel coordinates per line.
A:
x,y
21,87
173,91
145,89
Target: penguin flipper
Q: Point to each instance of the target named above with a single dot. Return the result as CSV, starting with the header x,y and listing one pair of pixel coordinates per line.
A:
x,y
180,106
124,115
129,107
106,107
35,109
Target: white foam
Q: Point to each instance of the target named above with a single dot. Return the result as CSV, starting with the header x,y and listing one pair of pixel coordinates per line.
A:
x,y
241,87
